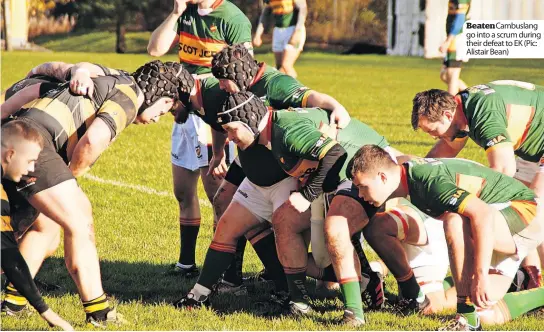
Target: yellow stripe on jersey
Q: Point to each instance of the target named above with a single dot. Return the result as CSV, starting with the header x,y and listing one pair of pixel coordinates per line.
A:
x,y
326,149
6,224
519,119
525,209
88,112
117,113
470,183
127,90
305,98
282,7
198,51
464,203
303,167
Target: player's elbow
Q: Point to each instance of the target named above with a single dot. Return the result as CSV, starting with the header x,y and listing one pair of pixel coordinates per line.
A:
x,y
154,51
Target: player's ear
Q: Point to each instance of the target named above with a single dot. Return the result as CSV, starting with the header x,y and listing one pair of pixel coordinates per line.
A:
x,y
383,177
10,154
449,115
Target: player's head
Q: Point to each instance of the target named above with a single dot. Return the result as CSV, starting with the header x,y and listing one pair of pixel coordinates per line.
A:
x,y
21,145
235,68
433,111
374,173
162,85
243,117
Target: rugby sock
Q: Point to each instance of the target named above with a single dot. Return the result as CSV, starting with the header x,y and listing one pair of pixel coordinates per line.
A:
x,y
97,308
448,283
518,303
296,280
218,259
409,287
188,229
265,248
233,274
467,309
14,300
352,296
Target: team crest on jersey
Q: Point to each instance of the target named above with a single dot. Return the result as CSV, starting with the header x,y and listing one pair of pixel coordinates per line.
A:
x,y
541,162
213,27
198,152
481,88
315,150
496,141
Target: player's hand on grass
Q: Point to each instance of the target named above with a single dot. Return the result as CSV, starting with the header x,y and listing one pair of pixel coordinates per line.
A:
x,y
81,83
340,117
218,166
257,41
55,320
179,7
479,290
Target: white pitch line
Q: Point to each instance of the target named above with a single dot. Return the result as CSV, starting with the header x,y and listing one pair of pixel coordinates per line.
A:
x,y
138,187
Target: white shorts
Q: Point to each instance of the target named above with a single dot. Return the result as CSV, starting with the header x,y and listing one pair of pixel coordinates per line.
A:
x,y
263,201
192,144
526,170
526,241
281,37
319,209
430,262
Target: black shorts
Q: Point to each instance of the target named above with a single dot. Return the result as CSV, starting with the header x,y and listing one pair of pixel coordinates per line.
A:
x,y
235,174
353,192
49,170
452,63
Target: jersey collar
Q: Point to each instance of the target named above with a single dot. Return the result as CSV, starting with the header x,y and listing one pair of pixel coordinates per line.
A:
x,y
207,11
259,74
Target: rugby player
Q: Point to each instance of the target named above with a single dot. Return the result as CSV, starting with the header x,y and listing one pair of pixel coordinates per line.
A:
x,y
21,145
200,28
491,222
76,130
289,31
505,119
318,157
237,70
454,45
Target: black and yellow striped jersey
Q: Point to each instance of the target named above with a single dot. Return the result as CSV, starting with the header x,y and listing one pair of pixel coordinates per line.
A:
x,y
8,238
66,116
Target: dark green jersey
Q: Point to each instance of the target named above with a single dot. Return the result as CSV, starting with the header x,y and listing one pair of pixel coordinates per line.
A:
x,y
298,144
439,185
285,12
506,112
201,36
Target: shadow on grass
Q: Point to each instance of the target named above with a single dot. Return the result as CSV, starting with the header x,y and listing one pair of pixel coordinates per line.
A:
x,y
151,284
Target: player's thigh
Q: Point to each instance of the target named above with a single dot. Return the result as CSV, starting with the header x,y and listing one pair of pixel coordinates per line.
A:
x,y
62,203
185,183
235,222
211,184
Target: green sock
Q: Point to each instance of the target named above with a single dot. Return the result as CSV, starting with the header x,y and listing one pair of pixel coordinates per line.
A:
x,y
447,283
519,303
352,297
467,310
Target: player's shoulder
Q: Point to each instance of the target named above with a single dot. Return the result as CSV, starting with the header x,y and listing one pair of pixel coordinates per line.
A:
x,y
230,13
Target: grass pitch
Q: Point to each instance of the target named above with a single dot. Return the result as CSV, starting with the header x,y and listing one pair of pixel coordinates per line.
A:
x,y
136,215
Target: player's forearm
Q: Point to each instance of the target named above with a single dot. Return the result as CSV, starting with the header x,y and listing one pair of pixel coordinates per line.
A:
x,y
19,99
55,69
302,13
443,150
263,19
482,227
218,142
94,70
89,148
328,170
163,37
324,101
16,270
